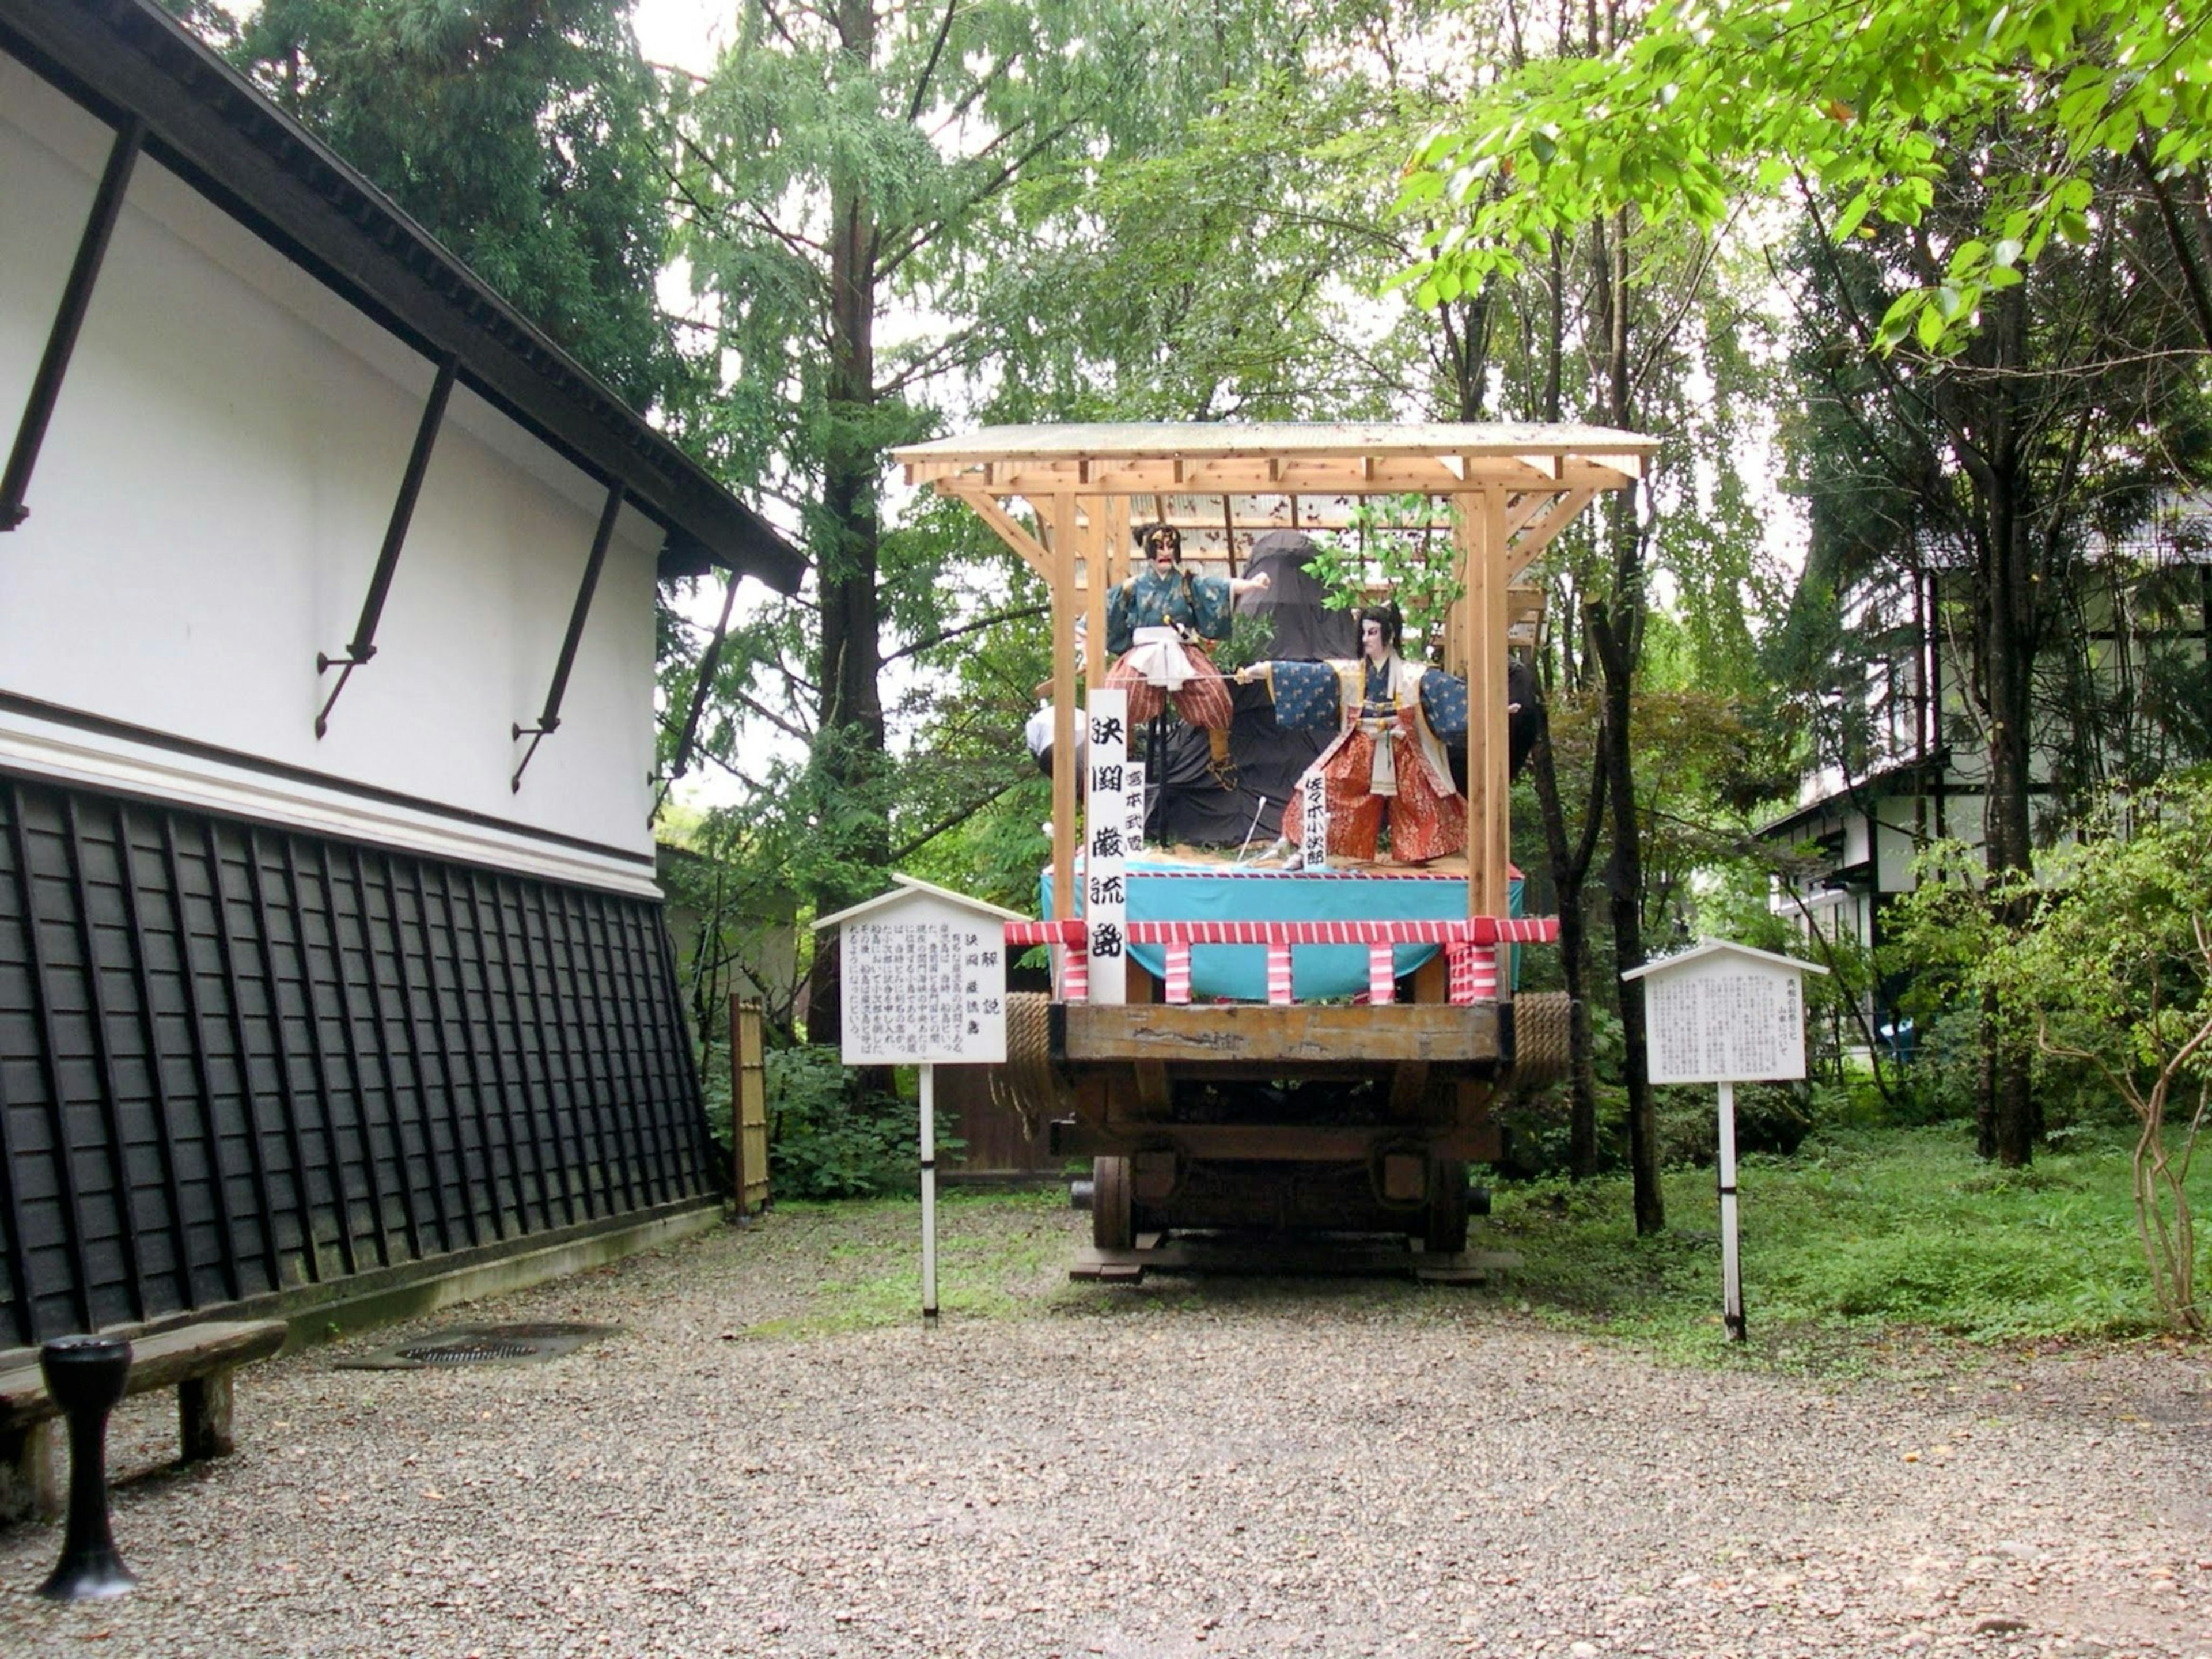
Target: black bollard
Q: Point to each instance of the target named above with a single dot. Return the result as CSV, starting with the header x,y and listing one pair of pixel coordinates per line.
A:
x,y
85,1376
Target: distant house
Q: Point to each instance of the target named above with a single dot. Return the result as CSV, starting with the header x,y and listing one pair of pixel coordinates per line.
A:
x,y
330,940
1911,766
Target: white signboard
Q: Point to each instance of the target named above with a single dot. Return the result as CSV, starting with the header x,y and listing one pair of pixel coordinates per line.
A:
x,y
925,979
1105,853
1312,805
1725,1020
1725,1013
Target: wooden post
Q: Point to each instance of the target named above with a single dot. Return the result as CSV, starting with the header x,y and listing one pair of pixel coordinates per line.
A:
x,y
1486,704
928,1190
1470,526
1062,527
736,1100
1731,1255
1101,535
748,1091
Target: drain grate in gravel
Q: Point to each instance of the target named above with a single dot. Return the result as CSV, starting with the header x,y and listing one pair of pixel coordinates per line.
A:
x,y
478,1345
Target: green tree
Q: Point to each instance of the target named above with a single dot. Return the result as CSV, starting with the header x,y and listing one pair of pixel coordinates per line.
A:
x,y
1715,102
892,209
526,135
1974,482
2102,956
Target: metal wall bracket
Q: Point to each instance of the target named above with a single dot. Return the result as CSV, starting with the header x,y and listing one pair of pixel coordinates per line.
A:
x,y
68,318
362,646
549,719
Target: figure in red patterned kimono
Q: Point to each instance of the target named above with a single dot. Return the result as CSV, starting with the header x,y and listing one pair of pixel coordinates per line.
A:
x,y
1394,718
1155,623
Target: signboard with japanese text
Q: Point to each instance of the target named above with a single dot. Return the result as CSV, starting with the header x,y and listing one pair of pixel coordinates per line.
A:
x,y
1313,818
1725,1013
1105,851
925,979
1729,1016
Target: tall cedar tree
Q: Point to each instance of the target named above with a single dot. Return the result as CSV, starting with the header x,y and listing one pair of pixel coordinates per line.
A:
x,y
526,135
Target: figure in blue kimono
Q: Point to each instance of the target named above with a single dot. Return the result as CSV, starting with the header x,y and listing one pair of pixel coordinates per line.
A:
x,y
1155,624
1392,719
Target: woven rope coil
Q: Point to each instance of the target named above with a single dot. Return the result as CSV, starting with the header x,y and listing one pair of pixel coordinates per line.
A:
x,y
1542,1027
1028,1085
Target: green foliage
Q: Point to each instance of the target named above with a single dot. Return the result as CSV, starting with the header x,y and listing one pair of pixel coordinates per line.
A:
x,y
829,1135
527,135
1711,103
1394,544
2103,957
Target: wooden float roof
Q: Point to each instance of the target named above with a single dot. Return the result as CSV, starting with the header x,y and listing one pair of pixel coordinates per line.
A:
x,y
1299,456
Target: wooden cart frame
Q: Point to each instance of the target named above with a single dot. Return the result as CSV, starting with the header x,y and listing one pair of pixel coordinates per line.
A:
x,y
1068,499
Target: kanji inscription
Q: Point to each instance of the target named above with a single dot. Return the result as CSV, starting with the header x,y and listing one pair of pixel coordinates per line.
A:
x,y
1728,1024
922,987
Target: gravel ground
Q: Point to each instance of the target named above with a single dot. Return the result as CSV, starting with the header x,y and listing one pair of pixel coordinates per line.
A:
x,y
760,1464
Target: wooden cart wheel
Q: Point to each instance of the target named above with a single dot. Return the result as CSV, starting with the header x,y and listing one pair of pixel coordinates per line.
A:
x,y
1443,1223
1113,1204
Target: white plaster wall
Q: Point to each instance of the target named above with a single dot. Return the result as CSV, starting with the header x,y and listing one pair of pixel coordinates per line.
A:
x,y
1858,846
1894,845
212,491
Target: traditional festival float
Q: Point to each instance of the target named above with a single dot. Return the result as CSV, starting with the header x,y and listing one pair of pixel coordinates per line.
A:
x,y
1281,906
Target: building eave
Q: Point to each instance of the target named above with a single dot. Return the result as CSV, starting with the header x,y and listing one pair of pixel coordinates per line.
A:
x,y
208,123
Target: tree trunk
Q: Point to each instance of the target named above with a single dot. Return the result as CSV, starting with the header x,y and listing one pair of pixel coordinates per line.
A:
x,y
1624,882
850,750
2008,640
1614,625
1570,871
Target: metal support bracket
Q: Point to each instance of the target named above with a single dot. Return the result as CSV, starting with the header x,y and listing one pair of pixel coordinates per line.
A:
x,y
549,719
68,318
362,646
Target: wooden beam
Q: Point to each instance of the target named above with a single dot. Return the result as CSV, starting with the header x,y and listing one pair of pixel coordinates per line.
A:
x,y
1538,536
1010,529
1292,1034
1528,505
1060,517
1099,537
1468,534
1274,1143
1490,838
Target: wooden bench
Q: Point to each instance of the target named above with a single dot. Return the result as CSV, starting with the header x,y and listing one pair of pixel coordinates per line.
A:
x,y
195,1360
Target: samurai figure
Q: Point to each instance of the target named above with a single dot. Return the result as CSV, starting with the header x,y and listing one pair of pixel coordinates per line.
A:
x,y
1155,624
1394,719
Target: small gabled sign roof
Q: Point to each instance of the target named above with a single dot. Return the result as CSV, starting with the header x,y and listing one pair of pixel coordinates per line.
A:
x,y
1721,947
915,887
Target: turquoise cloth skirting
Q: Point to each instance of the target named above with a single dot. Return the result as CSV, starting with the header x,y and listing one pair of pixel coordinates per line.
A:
x,y
1238,973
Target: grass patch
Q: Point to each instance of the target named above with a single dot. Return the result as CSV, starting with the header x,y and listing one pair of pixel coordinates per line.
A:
x,y
1859,1247
1000,1254
1859,1231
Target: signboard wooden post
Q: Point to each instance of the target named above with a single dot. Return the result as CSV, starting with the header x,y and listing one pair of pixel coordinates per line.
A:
x,y
924,975
1725,1013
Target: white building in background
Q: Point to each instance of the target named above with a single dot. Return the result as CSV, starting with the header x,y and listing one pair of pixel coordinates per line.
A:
x,y
329,936
1917,763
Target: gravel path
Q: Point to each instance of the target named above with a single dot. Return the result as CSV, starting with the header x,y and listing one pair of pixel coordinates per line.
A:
x,y
1223,1467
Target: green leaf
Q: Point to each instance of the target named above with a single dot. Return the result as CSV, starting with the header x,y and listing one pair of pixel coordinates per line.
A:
x,y
1854,215
1928,327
